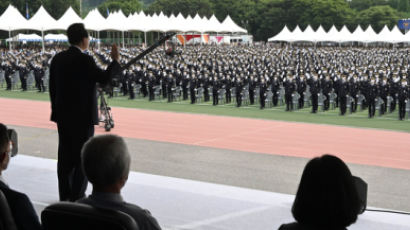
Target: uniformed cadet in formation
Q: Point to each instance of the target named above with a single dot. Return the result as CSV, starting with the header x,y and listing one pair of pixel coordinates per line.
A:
x,y
364,77
262,93
314,85
239,89
403,96
290,88
343,94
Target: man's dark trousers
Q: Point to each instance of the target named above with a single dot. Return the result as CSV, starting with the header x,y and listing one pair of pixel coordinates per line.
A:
x,y
72,181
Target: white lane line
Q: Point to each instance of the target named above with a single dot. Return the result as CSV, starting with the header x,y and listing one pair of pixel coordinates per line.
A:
x,y
210,221
40,203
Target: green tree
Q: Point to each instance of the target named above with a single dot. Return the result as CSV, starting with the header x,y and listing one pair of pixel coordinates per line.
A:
x,y
21,6
238,10
393,3
272,15
360,4
327,13
378,16
268,19
56,8
127,6
403,6
185,7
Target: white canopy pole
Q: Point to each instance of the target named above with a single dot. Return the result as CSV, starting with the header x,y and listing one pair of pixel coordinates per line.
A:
x,y
10,47
98,40
42,40
123,40
145,39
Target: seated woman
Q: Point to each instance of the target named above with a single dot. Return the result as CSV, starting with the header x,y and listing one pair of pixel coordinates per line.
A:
x,y
327,198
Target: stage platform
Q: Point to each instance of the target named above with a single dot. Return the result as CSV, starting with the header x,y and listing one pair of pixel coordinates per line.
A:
x,y
185,204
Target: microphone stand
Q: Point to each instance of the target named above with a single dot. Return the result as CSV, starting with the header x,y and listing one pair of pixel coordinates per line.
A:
x,y
148,50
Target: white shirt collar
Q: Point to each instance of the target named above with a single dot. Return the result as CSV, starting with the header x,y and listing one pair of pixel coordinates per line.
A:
x,y
78,48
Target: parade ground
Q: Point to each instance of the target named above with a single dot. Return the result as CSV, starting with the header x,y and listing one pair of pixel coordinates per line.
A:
x,y
207,171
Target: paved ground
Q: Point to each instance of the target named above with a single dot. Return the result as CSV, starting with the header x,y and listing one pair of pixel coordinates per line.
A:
x,y
180,204
354,145
388,187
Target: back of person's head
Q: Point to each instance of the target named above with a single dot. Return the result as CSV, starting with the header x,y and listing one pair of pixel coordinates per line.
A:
x,y
76,33
4,139
105,160
327,197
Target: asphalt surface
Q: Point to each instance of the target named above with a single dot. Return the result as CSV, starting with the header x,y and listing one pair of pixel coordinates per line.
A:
x,y
388,188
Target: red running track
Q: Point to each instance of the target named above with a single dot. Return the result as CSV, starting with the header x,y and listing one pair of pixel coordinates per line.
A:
x,y
354,145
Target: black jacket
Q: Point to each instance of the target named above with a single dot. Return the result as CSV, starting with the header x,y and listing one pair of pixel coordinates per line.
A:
x,y
21,208
297,226
73,78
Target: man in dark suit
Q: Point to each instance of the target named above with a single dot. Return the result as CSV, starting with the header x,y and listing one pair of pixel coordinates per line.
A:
x,y
73,78
106,163
21,208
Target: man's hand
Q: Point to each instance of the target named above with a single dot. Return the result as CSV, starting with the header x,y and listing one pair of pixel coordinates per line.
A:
x,y
115,55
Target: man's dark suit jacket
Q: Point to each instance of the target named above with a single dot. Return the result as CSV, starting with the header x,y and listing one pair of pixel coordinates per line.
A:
x,y
142,217
73,78
21,208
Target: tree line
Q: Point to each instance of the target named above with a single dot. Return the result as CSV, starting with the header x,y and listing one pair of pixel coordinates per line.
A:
x,y
262,18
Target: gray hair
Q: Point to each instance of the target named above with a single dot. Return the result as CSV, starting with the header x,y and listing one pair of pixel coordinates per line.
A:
x,y
105,160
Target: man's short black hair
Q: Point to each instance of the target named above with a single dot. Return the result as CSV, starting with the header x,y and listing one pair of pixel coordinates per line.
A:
x,y
76,32
4,138
327,197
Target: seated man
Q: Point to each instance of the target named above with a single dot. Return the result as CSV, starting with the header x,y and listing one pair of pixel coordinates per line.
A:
x,y
106,163
21,208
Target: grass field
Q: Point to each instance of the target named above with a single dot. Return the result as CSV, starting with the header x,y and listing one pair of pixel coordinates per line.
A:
x,y
332,117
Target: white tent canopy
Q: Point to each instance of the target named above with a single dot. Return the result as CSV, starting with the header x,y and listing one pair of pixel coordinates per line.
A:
x,y
345,35
69,17
42,21
11,20
56,37
228,25
320,34
308,35
284,35
212,24
359,34
94,20
25,38
397,35
342,36
116,21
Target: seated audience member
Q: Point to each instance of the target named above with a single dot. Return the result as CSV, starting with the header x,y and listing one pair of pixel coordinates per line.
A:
x,y
327,198
21,208
106,163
